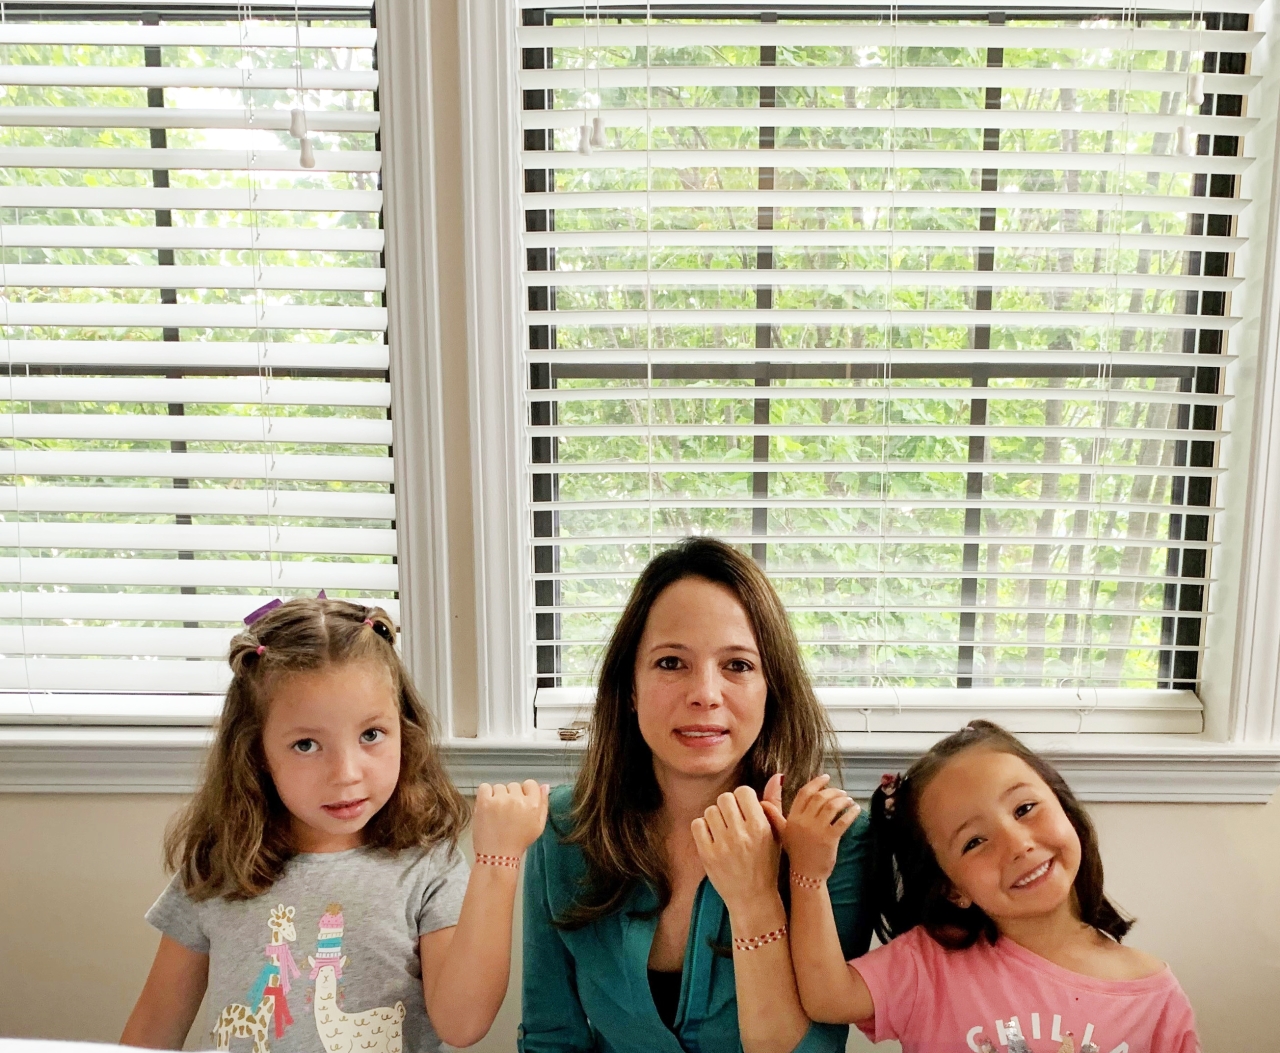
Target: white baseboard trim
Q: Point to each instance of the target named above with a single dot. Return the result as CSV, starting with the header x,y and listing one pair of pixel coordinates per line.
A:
x,y
1188,770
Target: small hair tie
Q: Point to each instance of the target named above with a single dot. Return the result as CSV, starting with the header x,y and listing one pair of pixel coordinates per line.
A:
x,y
369,622
261,650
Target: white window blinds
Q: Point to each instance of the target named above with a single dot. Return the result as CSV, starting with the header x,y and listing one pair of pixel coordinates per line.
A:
x,y
197,407
928,308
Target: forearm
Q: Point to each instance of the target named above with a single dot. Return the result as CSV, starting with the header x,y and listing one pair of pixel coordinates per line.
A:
x,y
828,991
471,980
770,1017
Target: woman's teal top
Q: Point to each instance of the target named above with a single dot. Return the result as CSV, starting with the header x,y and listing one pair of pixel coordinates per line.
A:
x,y
588,989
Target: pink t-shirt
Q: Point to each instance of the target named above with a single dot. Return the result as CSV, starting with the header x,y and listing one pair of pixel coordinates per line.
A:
x,y
937,1001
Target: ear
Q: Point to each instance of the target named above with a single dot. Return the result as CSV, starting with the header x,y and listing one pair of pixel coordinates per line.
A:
x,y
311,961
959,899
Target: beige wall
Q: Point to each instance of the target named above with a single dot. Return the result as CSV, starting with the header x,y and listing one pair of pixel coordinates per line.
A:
x,y
77,873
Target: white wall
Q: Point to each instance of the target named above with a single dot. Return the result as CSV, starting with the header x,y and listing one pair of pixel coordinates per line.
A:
x,y
77,873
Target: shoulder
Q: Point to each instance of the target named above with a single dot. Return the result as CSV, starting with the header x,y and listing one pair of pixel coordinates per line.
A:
x,y
1129,963
560,804
552,843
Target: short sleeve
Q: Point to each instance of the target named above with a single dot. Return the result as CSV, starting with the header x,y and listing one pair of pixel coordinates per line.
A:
x,y
444,886
175,915
893,974
1176,1029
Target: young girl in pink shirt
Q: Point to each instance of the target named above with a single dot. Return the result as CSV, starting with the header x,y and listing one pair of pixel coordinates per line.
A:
x,y
997,934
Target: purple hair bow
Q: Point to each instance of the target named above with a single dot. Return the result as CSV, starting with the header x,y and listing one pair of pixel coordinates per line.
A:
x,y
266,608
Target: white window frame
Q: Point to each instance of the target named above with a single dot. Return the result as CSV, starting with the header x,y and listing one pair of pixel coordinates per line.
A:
x,y
1236,759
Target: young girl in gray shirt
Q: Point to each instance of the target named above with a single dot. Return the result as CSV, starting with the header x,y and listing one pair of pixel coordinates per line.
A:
x,y
319,897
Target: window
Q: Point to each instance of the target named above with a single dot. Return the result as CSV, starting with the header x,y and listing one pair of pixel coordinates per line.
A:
x,y
930,309
197,416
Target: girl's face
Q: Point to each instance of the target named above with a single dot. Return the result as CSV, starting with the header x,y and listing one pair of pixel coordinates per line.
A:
x,y
332,741
699,688
1000,836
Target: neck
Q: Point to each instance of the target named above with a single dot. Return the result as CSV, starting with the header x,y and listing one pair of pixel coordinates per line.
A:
x,y
1047,934
686,797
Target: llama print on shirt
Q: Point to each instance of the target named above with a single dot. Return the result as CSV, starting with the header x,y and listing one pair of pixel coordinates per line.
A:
x,y
373,1031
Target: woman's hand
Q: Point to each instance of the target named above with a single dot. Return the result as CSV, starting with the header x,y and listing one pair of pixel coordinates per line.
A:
x,y
508,819
737,846
811,833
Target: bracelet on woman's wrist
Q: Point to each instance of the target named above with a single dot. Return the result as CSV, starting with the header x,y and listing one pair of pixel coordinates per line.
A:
x,y
498,861
751,943
801,881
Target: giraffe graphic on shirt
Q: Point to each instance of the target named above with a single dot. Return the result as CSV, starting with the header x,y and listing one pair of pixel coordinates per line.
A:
x,y
268,992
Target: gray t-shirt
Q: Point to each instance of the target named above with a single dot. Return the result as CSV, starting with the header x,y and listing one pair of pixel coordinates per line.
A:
x,y
330,951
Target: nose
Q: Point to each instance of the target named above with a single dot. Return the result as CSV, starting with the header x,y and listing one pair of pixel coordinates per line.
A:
x,y
705,686
346,766
1018,840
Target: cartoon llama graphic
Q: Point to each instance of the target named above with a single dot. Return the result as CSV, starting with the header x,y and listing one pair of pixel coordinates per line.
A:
x,y
268,992
373,1031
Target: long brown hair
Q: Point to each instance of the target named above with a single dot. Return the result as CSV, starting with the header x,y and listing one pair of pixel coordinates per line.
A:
x,y
910,887
233,839
616,800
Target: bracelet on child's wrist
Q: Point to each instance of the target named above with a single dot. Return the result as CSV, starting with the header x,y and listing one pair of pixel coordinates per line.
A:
x,y
802,881
751,943
498,861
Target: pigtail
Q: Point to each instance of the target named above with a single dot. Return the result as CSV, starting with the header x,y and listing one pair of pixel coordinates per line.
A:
x,y
887,888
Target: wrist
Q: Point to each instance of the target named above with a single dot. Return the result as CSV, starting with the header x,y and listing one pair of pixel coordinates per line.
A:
x,y
759,915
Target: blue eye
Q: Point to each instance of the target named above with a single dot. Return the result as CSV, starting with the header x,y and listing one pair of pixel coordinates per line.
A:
x,y
372,735
305,746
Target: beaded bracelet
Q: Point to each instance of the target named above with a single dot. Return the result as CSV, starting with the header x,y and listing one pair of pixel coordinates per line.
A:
x,y
498,861
801,881
751,943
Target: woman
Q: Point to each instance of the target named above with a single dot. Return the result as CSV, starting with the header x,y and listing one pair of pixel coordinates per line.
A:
x,y
627,945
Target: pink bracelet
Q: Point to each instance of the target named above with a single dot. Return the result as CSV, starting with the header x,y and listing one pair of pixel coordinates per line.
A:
x,y
498,861
751,943
801,881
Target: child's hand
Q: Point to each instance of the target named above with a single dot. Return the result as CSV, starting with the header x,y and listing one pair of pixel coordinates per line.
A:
x,y
811,834
737,846
508,819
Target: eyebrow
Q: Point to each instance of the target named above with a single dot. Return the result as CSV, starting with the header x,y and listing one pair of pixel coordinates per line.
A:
x,y
301,730
1024,785
673,646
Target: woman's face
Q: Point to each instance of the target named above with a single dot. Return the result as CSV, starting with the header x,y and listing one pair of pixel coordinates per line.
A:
x,y
699,687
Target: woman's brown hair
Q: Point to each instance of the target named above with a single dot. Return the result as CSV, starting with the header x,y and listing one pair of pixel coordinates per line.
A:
x,y
910,887
616,800
233,839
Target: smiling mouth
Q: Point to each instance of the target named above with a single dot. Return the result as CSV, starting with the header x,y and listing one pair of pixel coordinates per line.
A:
x,y
1034,877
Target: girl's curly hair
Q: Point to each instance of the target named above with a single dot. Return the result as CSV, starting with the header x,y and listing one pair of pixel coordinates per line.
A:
x,y
233,838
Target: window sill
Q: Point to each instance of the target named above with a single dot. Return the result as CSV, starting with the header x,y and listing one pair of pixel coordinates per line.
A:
x,y
1169,768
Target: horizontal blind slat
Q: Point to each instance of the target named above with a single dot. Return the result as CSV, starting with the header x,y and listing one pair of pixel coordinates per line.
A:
x,y
216,501
102,76
178,117
131,276
90,463
193,354
362,577
210,428
125,158
199,538
197,316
